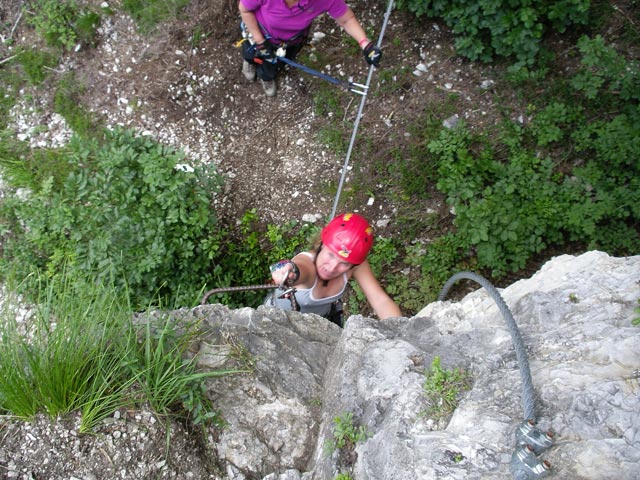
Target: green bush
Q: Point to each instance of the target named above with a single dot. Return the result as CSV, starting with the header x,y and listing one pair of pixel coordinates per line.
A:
x,y
124,211
606,73
510,210
441,260
249,250
570,175
497,210
346,434
62,23
487,28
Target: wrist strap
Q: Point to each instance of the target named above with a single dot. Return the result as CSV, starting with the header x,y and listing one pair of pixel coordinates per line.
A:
x,y
296,273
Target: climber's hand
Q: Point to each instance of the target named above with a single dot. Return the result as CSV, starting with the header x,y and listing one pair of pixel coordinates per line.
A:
x,y
284,272
264,52
372,54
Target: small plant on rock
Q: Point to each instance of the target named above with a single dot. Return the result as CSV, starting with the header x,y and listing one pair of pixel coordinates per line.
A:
x,y
345,437
346,434
636,320
443,388
344,476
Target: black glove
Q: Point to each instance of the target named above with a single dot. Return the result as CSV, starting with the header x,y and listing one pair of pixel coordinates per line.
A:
x,y
264,52
372,54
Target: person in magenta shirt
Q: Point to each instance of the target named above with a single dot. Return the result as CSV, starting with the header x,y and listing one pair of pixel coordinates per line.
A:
x,y
271,24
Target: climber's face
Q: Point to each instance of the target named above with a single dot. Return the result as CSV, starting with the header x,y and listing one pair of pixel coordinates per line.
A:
x,y
329,265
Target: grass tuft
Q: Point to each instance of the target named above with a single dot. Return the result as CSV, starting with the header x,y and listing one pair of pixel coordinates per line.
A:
x,y
79,350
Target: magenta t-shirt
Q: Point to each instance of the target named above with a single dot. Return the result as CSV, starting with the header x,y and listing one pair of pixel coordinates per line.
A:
x,y
283,23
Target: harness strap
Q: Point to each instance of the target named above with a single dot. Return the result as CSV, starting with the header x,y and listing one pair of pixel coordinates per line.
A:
x,y
297,39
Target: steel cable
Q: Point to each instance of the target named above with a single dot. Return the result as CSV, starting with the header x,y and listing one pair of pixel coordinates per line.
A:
x,y
528,394
357,121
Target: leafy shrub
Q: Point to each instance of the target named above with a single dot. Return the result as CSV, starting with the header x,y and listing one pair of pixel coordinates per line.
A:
x,y
62,23
550,125
514,202
441,260
489,28
248,252
607,188
606,72
346,434
497,211
124,211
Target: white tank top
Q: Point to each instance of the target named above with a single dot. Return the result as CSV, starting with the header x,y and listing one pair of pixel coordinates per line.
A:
x,y
304,296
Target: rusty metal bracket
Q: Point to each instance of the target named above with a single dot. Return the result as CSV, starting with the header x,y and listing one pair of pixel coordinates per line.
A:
x,y
289,292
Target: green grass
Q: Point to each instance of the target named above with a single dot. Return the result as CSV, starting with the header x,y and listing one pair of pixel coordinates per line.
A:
x,y
67,102
165,376
335,137
148,14
80,351
30,168
36,64
75,331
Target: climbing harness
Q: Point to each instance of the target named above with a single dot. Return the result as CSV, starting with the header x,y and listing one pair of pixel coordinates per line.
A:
x,y
530,441
287,292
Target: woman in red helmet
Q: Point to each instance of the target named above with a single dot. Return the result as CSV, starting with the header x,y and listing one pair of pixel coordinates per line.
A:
x,y
321,276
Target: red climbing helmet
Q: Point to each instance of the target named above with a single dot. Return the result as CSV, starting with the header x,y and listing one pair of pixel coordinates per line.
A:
x,y
349,236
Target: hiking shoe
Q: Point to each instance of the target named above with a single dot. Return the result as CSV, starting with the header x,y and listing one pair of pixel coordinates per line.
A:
x,y
248,70
269,87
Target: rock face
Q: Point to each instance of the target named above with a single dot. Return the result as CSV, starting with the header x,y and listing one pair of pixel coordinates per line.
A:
x,y
574,317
